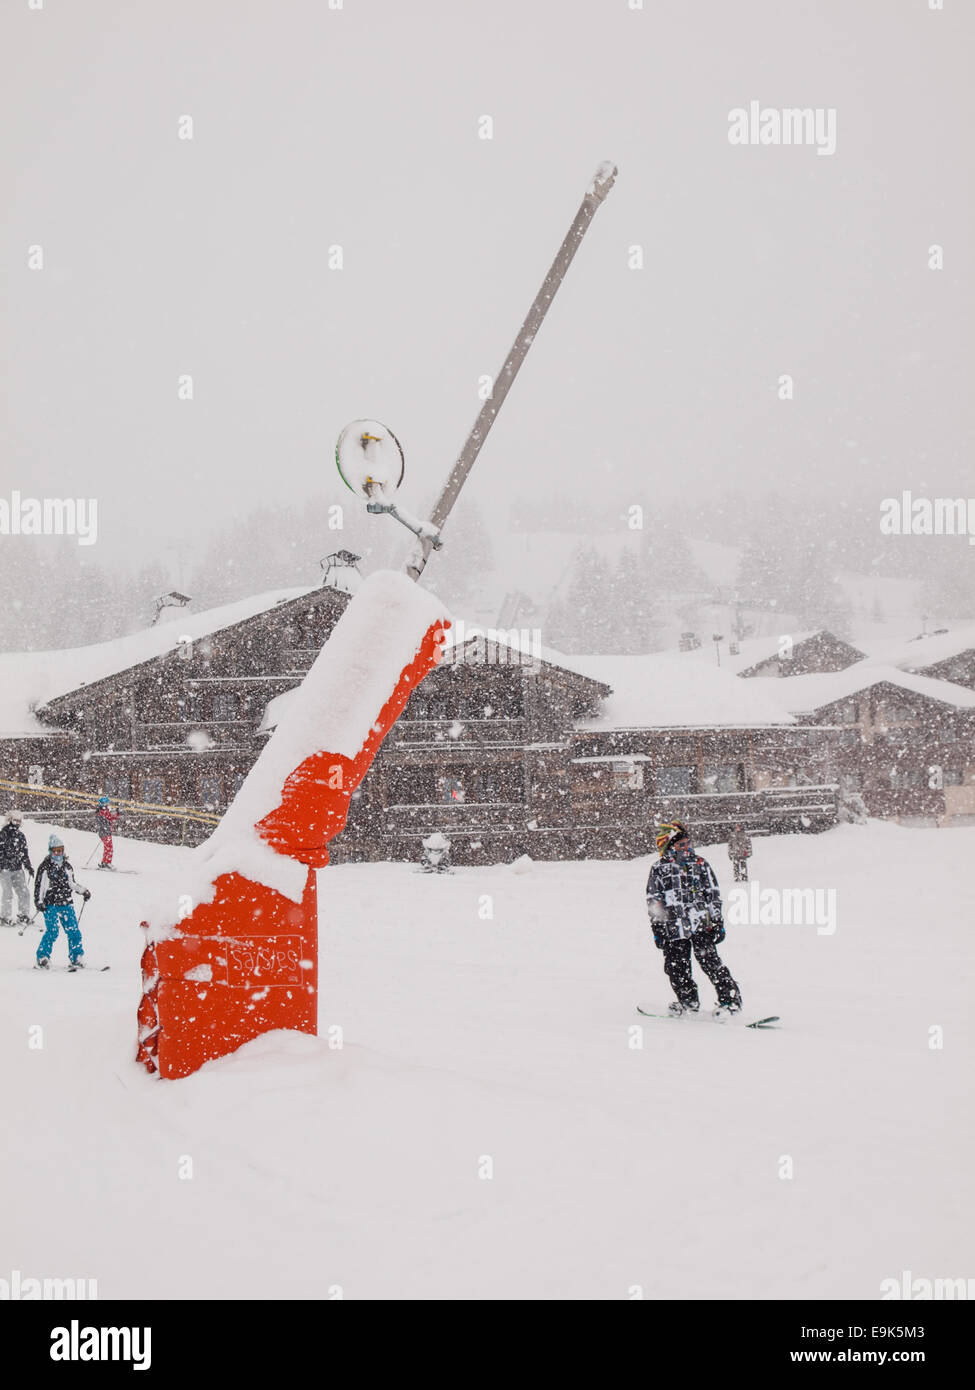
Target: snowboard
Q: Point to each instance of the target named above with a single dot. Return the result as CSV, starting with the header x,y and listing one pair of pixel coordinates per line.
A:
x,y
769,1022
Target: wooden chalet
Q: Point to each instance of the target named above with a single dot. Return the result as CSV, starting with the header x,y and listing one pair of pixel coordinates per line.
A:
x,y
504,750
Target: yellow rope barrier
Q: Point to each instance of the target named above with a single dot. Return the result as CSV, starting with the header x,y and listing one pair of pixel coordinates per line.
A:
x,y
143,808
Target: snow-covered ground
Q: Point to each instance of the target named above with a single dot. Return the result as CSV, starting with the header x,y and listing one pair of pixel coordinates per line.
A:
x,y
506,1040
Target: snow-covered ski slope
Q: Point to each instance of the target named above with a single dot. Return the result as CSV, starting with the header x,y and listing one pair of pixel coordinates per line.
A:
x,y
487,1130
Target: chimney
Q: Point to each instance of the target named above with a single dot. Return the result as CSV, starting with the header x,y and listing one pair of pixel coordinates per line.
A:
x,y
341,571
170,600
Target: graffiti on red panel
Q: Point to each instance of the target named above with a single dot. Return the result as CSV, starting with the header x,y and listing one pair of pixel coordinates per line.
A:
x,y
264,960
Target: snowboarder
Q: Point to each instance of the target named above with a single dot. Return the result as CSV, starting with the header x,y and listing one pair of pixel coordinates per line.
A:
x,y
105,819
684,903
739,852
15,870
54,887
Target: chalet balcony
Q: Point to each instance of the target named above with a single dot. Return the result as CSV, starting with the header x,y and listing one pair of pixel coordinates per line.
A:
x,y
225,733
435,733
774,809
455,817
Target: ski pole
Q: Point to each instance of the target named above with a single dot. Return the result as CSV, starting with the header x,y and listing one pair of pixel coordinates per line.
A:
x,y
28,924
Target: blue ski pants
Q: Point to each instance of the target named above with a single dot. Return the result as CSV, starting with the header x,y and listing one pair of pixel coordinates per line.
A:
x,y
55,918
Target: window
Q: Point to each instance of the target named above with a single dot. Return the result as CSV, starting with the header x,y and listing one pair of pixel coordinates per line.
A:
x,y
210,793
626,777
725,778
481,785
409,786
118,787
428,705
451,788
225,705
153,790
671,780
848,712
953,777
895,713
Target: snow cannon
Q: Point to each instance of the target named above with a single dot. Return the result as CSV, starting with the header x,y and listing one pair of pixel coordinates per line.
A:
x,y
232,949
370,460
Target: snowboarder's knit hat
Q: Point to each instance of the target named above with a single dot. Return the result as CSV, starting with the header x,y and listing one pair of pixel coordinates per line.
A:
x,y
668,832
55,842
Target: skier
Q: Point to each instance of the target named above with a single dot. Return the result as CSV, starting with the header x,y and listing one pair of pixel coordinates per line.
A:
x,y
739,852
105,819
15,870
685,912
53,890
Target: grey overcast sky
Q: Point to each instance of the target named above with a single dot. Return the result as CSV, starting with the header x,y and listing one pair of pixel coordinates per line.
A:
x,y
358,127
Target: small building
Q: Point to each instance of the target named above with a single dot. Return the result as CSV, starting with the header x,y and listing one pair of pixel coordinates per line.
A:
x,y
797,655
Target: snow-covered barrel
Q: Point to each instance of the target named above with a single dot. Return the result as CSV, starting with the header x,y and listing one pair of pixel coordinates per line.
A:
x,y
232,946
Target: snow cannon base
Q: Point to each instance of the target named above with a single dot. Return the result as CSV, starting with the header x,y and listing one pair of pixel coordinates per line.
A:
x,y
244,961
242,965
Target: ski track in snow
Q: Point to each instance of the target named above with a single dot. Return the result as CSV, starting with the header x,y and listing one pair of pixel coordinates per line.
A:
x,y
315,1166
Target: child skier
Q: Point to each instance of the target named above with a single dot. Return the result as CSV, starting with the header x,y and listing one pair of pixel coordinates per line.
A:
x,y
53,890
739,852
15,870
105,819
684,903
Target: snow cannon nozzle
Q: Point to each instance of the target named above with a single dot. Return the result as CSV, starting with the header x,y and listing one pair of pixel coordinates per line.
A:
x,y
602,180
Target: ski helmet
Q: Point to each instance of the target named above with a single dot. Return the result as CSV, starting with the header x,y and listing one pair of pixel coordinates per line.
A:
x,y
103,801
668,833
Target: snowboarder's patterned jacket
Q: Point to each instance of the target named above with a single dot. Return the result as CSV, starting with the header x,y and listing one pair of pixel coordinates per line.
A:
x,y
14,853
54,884
683,897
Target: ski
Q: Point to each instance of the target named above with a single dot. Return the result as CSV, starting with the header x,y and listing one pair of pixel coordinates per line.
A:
x,y
72,969
768,1022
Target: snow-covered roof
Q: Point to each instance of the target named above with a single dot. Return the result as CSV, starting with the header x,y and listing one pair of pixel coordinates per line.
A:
x,y
804,694
666,690
30,679
751,652
917,653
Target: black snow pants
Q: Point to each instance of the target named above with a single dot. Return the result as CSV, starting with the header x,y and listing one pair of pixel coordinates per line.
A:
x,y
677,963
